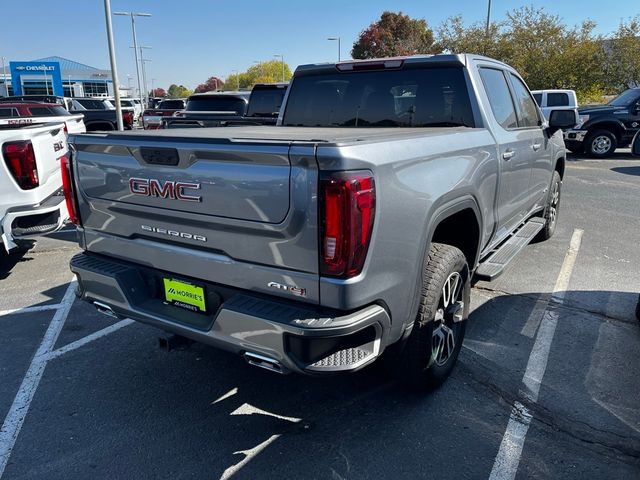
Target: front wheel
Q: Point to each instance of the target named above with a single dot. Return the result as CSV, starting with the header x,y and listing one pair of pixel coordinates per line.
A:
x,y
431,351
600,144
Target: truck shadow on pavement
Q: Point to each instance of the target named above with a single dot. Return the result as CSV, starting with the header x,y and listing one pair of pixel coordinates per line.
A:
x,y
627,170
122,405
11,259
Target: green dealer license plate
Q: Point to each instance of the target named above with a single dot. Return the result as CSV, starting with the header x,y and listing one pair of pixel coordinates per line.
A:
x,y
185,295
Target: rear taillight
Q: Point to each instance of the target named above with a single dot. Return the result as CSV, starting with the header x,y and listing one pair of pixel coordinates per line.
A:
x,y
347,209
21,161
67,188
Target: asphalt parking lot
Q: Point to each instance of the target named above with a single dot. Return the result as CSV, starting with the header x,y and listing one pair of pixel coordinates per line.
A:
x,y
548,382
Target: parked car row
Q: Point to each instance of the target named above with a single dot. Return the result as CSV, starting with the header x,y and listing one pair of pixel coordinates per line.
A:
x,y
599,129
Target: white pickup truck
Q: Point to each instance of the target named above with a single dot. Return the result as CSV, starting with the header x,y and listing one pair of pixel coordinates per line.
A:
x,y
31,198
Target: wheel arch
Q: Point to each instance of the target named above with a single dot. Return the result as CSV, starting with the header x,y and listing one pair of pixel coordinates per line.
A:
x,y
613,126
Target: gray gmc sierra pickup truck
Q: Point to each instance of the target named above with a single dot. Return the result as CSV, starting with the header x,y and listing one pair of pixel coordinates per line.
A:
x,y
352,228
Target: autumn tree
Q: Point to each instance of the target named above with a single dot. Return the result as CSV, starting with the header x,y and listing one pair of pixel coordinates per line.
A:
x,y
393,35
211,85
158,92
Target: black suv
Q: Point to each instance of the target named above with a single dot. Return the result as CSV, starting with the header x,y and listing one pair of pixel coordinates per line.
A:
x,y
604,128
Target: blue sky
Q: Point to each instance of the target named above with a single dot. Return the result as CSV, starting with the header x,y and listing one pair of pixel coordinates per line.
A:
x,y
194,39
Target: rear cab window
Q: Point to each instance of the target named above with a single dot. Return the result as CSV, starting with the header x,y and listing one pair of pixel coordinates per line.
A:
x,y
538,98
170,105
409,97
217,103
265,102
557,99
52,111
8,112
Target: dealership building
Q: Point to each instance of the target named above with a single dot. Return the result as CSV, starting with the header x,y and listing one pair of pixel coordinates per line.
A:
x,y
55,76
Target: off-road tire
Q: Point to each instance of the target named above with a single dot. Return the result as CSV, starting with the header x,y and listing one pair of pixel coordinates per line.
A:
x,y
415,363
600,144
551,210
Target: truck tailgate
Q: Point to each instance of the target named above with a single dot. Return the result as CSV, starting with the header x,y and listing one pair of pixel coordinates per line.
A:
x,y
238,213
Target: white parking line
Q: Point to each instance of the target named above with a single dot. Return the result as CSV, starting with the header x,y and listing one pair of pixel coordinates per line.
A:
x,y
507,460
18,411
90,338
40,308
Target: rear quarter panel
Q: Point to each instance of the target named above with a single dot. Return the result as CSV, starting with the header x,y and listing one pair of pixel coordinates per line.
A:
x,y
415,179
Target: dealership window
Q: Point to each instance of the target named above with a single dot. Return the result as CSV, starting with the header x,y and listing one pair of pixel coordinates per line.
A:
x,y
68,88
37,87
95,88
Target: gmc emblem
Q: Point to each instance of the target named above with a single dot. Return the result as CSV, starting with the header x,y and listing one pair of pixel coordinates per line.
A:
x,y
150,187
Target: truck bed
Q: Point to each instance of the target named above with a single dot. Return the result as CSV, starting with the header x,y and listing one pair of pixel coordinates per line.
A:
x,y
325,135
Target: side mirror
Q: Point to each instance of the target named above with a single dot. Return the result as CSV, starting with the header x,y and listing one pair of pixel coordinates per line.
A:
x,y
561,119
635,145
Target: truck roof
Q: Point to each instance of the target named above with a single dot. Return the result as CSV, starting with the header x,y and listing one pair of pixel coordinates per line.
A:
x,y
461,59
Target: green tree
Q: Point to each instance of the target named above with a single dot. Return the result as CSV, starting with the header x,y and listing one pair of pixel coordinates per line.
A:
x,y
269,71
546,52
178,91
393,35
622,56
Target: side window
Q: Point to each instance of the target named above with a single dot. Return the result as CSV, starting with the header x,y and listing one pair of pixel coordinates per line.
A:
x,y
538,98
8,112
499,97
557,99
527,111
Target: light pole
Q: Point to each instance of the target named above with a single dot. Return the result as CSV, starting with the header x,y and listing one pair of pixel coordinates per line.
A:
x,y
334,39
4,76
129,84
237,79
486,30
153,90
144,70
281,56
114,68
133,15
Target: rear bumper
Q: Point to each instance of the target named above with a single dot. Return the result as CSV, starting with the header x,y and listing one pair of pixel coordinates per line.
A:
x,y
25,222
292,336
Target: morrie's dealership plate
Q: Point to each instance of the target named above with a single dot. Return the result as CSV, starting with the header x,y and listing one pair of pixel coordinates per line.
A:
x,y
185,295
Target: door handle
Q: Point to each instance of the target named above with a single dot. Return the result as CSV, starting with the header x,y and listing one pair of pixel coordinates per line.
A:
x,y
508,154
536,146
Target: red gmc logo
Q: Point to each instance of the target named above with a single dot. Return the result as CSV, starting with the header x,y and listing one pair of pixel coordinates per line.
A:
x,y
150,187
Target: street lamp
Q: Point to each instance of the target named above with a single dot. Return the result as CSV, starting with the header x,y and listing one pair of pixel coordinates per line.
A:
x,y
114,68
334,39
486,31
133,15
281,56
144,70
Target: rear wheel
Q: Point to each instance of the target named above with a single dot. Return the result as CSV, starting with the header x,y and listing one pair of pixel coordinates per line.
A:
x,y
551,211
601,143
431,351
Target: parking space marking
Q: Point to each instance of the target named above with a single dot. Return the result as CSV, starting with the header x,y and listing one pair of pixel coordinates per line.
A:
x,y
531,326
507,460
18,411
39,308
90,338
248,456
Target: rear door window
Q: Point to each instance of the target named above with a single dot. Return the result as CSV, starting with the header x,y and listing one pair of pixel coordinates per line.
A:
x,y
495,84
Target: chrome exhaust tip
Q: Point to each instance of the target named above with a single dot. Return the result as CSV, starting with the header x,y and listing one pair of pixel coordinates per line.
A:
x,y
105,309
263,362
